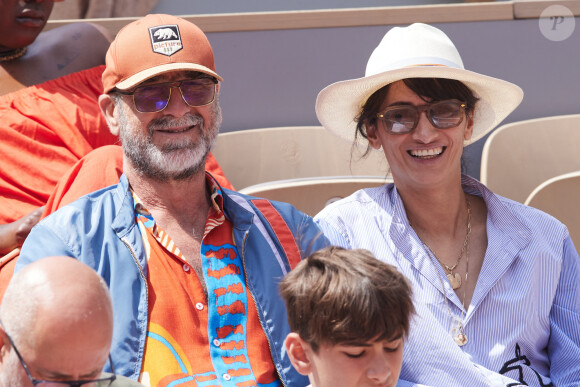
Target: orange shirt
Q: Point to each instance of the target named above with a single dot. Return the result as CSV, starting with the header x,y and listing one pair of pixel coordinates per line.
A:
x,y
45,129
193,340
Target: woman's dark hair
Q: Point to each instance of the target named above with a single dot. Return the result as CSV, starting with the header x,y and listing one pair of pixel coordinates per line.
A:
x,y
429,89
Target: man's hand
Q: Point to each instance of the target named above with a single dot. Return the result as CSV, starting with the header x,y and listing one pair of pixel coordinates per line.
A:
x,y
12,235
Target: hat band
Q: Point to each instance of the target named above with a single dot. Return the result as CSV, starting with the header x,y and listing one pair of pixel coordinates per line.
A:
x,y
413,62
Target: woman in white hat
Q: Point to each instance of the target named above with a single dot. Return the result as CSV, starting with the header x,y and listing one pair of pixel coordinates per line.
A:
x,y
496,283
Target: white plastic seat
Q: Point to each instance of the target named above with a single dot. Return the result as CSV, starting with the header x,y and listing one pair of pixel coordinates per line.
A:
x,y
518,157
560,197
310,195
250,157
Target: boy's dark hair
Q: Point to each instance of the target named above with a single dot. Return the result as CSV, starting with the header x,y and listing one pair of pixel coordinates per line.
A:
x,y
339,296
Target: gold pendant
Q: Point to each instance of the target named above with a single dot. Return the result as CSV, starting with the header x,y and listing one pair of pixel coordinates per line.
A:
x,y
454,280
460,339
456,332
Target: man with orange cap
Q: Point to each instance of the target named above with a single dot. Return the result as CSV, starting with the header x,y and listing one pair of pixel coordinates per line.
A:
x,y
49,86
193,268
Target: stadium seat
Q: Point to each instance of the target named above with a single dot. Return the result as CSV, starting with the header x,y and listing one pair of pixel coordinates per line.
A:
x,y
517,157
310,195
250,157
560,197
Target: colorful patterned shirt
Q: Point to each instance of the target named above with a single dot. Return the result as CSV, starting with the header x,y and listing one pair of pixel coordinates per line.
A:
x,y
193,340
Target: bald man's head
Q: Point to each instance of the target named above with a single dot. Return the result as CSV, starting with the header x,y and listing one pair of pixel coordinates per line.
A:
x,y
59,314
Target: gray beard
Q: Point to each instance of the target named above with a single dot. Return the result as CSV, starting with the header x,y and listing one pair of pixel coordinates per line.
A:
x,y
176,161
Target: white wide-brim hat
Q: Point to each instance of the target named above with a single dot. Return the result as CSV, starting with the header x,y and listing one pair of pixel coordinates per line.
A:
x,y
416,51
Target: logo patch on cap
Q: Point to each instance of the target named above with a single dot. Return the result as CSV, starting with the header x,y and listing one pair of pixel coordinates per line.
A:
x,y
165,39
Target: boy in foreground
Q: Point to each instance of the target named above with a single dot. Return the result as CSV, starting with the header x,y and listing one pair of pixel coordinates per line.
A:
x,y
349,316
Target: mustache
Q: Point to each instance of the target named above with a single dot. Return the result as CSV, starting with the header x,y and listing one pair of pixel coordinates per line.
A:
x,y
167,122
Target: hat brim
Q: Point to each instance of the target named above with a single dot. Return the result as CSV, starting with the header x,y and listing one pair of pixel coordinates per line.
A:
x,y
141,76
339,104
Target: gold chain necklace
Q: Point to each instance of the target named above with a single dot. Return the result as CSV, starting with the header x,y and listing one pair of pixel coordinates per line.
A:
x,y
12,54
456,330
455,279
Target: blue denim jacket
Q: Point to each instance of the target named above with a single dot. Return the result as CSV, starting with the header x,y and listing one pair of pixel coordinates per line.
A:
x,y
100,230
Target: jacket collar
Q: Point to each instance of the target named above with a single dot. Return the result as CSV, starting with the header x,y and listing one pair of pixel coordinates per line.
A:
x,y
124,218
240,217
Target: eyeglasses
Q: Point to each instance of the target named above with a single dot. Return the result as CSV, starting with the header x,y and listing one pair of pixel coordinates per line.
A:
x,y
55,383
441,114
155,97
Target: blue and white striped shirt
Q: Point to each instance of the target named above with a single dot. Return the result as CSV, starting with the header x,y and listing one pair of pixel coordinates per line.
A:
x,y
523,322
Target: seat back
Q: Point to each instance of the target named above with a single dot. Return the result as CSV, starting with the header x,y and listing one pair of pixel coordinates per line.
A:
x,y
310,195
517,157
250,157
559,197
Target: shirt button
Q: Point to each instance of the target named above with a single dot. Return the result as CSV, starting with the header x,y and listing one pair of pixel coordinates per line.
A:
x,y
186,267
199,306
226,377
216,342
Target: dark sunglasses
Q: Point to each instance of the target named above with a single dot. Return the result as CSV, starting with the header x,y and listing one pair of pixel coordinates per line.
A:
x,y
68,383
403,119
155,97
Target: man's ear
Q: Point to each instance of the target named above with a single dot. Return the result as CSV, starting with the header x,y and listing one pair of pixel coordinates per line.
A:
x,y
3,345
373,135
298,352
107,105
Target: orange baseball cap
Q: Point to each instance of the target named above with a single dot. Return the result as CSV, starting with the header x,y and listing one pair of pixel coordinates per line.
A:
x,y
154,45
